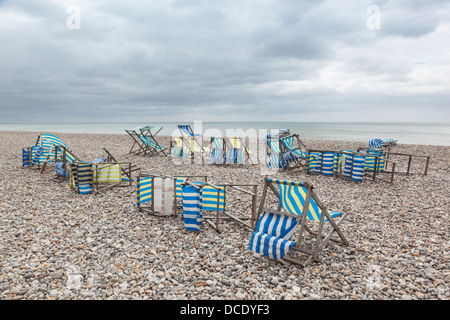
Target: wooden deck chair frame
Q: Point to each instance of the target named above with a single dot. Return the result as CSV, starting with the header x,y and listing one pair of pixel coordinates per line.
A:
x,y
149,207
407,157
299,163
98,186
126,171
142,147
375,174
138,145
321,240
214,219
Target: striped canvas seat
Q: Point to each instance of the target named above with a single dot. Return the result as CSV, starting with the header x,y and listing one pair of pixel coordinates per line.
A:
x,y
26,157
353,166
380,160
80,177
274,157
272,237
292,199
143,190
321,162
209,199
192,208
217,155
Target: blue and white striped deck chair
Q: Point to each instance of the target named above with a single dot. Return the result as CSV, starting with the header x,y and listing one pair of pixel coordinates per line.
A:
x,y
148,137
299,202
353,165
44,148
217,155
321,162
236,152
274,157
291,153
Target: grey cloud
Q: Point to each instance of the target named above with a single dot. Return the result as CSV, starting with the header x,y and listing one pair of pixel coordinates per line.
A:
x,y
185,59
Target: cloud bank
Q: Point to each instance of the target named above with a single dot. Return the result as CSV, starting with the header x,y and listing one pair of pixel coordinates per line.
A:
x,y
186,60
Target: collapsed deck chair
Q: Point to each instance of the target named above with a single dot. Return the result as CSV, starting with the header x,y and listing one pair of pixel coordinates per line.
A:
x,y
44,148
404,160
382,143
297,205
158,194
204,201
294,151
125,170
62,158
98,175
144,141
188,147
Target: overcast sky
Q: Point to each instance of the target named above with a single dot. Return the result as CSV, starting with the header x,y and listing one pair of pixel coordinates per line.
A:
x,y
224,60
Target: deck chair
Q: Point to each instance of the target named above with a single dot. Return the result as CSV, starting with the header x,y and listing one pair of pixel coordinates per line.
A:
x,y
218,151
293,150
97,176
192,142
320,162
382,143
273,150
403,160
297,205
204,201
356,165
153,193
144,141
43,149
125,170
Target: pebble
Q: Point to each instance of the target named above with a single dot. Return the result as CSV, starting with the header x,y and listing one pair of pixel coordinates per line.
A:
x,y
61,245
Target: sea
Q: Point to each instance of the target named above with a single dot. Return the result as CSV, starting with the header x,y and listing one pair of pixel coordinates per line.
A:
x,y
403,132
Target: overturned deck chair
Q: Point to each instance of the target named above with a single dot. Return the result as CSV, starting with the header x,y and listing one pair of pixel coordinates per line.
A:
x,y
294,151
382,143
283,230
125,169
97,176
154,192
144,141
158,195
204,201
62,158
43,149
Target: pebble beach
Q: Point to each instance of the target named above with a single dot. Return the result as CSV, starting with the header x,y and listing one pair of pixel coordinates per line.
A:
x,y
58,245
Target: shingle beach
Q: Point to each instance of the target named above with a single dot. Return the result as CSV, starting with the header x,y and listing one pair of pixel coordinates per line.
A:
x,y
57,244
